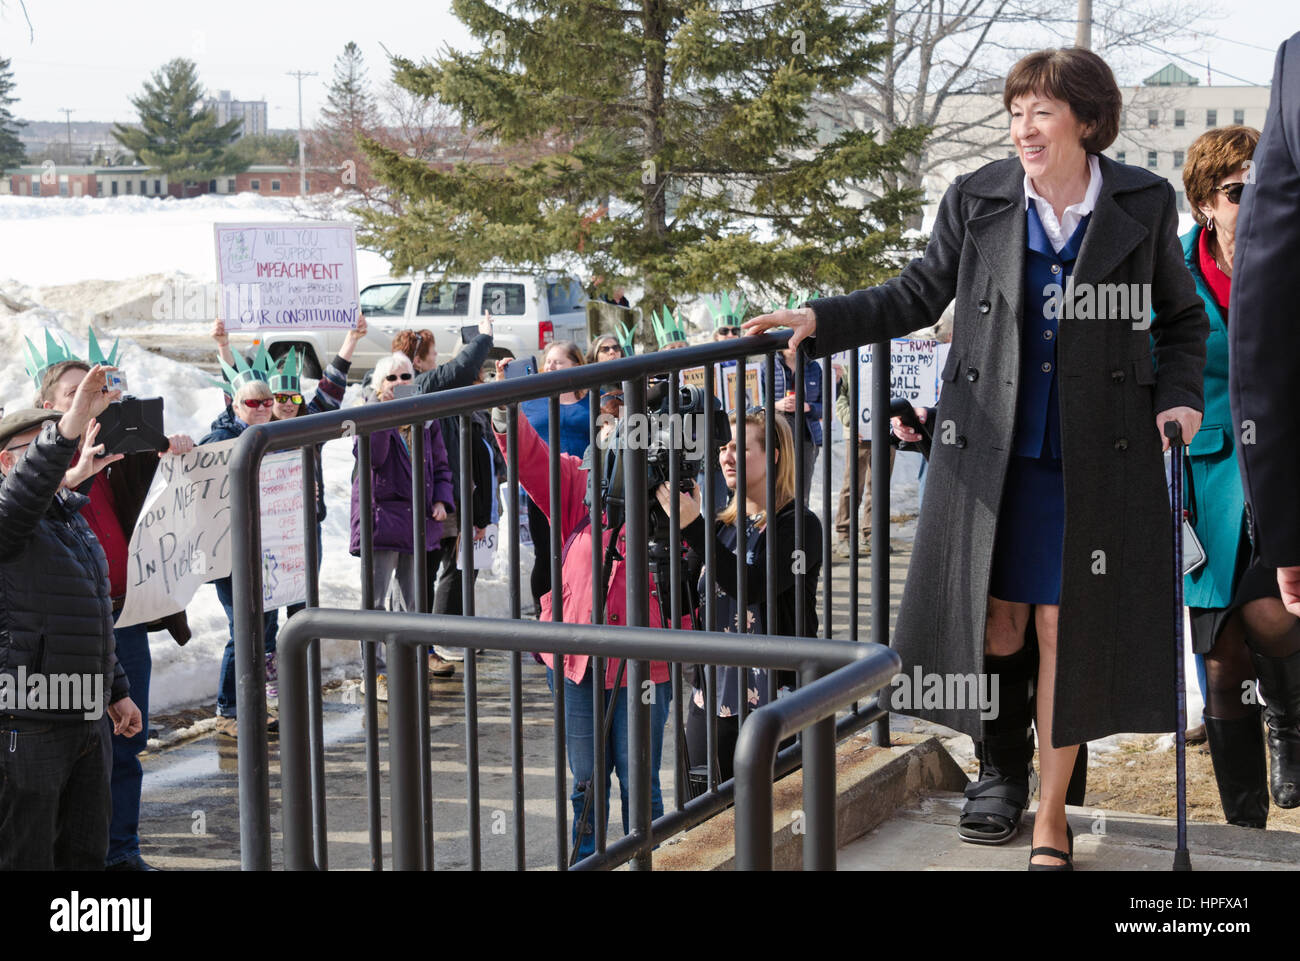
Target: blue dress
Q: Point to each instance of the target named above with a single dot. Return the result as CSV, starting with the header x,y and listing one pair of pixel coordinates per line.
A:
x,y
1031,521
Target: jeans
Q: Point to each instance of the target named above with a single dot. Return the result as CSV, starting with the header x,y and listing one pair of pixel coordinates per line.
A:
x,y
580,741
846,493
132,645
226,684
54,794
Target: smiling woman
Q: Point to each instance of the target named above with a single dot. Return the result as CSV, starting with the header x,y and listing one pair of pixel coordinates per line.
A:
x,y
1053,473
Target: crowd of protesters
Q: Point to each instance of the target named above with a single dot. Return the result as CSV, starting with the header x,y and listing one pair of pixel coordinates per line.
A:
x,y
1070,670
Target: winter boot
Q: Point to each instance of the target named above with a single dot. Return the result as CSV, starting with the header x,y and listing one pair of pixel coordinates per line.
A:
x,y
1237,749
1279,685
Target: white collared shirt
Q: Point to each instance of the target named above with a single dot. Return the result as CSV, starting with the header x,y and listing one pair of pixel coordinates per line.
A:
x,y
1059,231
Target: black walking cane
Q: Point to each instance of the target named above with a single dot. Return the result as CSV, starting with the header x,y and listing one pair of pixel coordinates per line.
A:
x,y
1182,859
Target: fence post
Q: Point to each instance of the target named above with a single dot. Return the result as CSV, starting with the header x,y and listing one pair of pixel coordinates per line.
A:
x,y
819,807
880,365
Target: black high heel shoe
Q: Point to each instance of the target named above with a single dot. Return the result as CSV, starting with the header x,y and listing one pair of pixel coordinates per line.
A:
x,y
1066,856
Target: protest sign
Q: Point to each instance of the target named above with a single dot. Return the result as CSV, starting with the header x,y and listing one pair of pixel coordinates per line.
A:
x,y
182,537
913,374
485,549
724,382
298,276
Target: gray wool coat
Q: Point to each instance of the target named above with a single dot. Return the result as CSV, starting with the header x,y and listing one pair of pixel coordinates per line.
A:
x,y
1115,668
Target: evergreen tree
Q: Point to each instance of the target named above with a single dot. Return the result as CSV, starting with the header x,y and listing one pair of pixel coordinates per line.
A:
x,y
350,112
271,148
178,137
12,153
676,146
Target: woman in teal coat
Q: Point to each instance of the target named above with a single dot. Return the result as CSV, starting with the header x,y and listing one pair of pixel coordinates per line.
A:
x,y
1238,622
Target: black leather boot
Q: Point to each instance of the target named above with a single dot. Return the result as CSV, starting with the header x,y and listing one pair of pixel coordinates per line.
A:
x,y
1237,750
1005,749
1279,684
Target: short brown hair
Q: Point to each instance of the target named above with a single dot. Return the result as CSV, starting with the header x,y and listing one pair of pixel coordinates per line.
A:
x,y
1081,79
1211,157
52,375
413,343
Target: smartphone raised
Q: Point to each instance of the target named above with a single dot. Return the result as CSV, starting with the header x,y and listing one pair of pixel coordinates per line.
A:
x,y
469,332
521,367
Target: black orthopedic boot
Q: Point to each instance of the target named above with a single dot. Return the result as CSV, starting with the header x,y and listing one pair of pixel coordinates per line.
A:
x,y
1237,750
1005,749
1279,685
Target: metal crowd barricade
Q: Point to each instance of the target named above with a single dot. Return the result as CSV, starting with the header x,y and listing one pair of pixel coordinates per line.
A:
x,y
836,677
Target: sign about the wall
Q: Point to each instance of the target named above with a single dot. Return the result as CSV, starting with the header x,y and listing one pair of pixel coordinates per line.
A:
x,y
914,367
182,537
288,276
485,549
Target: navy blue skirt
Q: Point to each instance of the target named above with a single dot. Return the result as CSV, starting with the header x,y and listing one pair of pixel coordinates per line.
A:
x,y
1031,533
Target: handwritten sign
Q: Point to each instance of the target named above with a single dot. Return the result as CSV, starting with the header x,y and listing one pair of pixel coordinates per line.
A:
x,y
485,549
914,367
299,276
182,537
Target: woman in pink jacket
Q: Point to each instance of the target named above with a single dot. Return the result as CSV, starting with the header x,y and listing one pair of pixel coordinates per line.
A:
x,y
575,532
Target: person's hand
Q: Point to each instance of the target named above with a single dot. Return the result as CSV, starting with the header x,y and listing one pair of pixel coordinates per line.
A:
x,y
502,364
485,324
906,433
90,400
786,404
125,716
480,533
439,513
354,336
1288,582
688,504
219,333
1189,420
802,321
178,444
87,465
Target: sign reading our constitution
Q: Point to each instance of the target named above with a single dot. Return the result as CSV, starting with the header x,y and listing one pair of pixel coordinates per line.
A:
x,y
299,276
182,537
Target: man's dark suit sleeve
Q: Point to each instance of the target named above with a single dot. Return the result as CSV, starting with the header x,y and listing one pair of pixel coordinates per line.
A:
x,y
460,371
1264,342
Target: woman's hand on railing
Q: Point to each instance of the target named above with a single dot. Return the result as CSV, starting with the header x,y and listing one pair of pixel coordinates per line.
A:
x,y
802,321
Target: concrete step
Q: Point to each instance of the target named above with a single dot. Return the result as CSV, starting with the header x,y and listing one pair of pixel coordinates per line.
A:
x,y
922,835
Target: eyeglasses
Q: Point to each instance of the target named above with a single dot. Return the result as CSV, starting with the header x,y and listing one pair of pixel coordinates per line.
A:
x,y
728,331
609,349
407,376
256,402
288,398
1232,191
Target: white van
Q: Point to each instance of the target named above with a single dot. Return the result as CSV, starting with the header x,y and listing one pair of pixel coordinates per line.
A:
x,y
527,315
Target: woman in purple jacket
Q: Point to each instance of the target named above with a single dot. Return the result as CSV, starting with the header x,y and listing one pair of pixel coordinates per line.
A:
x,y
390,493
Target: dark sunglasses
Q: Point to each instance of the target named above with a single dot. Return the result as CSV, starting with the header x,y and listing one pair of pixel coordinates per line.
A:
x,y
256,403
729,331
609,349
288,398
1232,191
406,376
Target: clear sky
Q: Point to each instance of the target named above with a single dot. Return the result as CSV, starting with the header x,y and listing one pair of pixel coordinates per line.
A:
x,y
93,57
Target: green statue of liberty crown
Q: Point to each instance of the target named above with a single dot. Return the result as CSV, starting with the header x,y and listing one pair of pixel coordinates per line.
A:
x,y
243,373
56,352
286,378
626,339
670,331
725,315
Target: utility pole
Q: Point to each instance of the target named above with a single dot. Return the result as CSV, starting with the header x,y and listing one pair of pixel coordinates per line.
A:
x,y
68,115
302,149
1083,30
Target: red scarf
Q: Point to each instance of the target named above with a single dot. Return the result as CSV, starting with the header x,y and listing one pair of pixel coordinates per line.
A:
x,y
1220,283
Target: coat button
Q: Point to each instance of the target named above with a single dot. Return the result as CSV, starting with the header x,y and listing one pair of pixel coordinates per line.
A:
x,y
1117,376
1047,367
1121,444
1056,268
1048,334
613,618
972,374
985,306
961,442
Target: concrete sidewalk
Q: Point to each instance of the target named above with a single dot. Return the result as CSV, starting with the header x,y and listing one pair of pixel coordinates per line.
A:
x,y
923,836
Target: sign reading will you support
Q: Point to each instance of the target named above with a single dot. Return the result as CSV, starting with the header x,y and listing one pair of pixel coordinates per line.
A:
x,y
299,276
182,538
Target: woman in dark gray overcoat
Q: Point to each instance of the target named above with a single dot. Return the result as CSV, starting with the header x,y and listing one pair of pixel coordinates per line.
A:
x,y
1077,553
